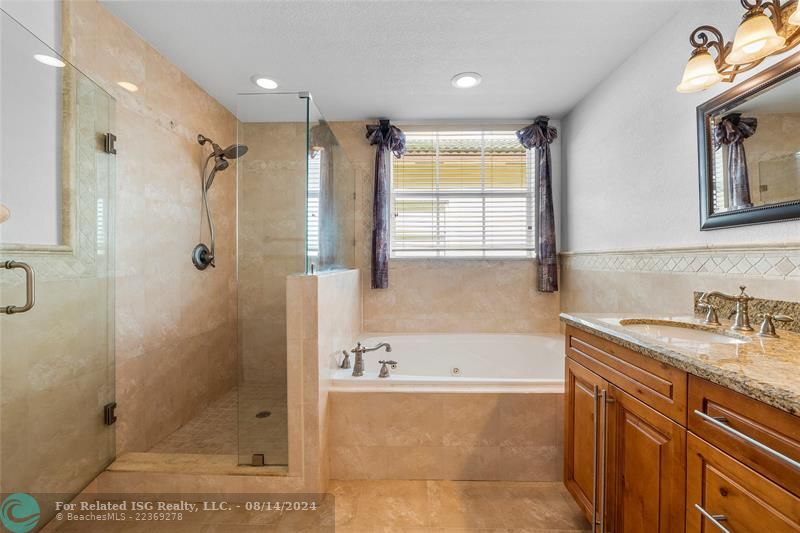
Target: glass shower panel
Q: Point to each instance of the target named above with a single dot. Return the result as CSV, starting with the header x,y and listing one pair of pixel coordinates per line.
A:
x,y
56,189
271,246
330,242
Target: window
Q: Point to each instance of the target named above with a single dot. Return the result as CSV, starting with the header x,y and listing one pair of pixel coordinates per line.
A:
x,y
463,194
312,205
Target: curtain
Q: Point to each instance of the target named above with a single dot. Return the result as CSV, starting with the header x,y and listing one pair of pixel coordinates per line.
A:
x,y
733,130
538,137
322,142
388,140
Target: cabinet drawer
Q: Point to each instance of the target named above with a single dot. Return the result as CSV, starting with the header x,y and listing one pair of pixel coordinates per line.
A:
x,y
723,487
738,422
658,385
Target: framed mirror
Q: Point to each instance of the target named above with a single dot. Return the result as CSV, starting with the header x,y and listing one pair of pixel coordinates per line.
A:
x,y
749,150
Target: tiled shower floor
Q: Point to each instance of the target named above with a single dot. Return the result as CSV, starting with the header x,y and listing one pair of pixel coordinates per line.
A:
x,y
229,426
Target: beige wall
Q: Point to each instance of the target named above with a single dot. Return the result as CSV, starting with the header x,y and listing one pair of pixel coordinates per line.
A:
x,y
176,326
324,315
508,437
445,295
272,195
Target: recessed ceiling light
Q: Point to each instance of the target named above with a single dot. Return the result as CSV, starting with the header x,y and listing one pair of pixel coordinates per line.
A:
x,y
466,80
264,83
49,60
128,86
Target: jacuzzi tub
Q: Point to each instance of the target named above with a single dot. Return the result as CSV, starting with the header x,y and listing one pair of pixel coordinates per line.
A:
x,y
461,363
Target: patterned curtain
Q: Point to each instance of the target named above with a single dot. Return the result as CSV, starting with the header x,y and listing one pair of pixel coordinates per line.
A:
x,y
322,141
538,137
388,140
733,130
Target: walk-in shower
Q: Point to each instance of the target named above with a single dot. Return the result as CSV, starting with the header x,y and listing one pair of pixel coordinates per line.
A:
x,y
202,255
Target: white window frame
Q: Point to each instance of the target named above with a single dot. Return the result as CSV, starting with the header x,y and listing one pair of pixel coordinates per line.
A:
x,y
447,254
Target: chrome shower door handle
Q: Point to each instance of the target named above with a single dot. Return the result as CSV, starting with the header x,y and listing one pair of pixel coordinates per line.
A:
x,y
30,289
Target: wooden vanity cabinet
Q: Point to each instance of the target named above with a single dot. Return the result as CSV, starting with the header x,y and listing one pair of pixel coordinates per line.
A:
x,y
581,435
622,458
645,468
628,450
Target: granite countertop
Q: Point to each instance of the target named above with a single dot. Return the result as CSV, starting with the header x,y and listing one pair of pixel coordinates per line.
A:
x,y
765,369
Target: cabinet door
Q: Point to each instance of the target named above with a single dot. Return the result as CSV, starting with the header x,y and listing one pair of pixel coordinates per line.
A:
x,y
581,434
646,468
735,496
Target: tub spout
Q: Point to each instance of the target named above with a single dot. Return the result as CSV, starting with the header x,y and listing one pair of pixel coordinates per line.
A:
x,y
359,351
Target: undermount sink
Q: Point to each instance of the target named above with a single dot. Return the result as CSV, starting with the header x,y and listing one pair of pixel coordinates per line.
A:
x,y
676,333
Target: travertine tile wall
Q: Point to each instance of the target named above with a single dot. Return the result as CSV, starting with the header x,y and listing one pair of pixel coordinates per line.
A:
x,y
324,316
175,326
272,232
444,295
446,436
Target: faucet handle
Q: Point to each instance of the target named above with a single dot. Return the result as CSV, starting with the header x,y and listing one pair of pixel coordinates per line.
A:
x,y
357,348
346,360
711,313
743,295
767,328
384,373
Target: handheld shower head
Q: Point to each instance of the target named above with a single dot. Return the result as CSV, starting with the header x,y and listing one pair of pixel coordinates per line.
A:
x,y
203,256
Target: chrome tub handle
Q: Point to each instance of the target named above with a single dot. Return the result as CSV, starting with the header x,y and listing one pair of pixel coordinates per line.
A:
x,y
30,289
750,440
713,518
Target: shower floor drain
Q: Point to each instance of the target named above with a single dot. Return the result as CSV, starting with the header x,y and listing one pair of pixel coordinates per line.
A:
x,y
263,414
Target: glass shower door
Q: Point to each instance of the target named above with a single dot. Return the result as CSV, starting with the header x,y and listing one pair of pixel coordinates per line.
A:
x,y
56,280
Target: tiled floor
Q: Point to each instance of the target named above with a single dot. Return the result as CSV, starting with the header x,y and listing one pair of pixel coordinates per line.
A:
x,y
454,506
229,426
397,507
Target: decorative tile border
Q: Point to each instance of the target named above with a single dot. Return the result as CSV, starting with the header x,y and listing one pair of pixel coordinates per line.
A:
x,y
775,262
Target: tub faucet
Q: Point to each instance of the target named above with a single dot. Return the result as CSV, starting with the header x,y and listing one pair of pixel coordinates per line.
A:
x,y
741,315
359,350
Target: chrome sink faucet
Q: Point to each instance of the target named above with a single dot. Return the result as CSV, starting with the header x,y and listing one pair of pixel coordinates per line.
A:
x,y
741,315
359,351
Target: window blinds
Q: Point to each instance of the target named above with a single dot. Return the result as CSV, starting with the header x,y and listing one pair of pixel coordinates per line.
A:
x,y
463,194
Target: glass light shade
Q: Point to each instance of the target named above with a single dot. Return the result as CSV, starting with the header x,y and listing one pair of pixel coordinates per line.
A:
x,y
755,38
700,73
795,18
5,214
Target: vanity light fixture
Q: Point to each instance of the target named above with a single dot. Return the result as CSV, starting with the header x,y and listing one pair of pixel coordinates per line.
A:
x,y
128,86
795,18
757,37
50,61
264,83
466,80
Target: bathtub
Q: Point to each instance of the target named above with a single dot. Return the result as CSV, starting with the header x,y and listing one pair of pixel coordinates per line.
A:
x,y
427,362
483,407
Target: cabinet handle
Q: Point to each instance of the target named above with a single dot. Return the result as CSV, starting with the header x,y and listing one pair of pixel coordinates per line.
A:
x,y
603,424
713,518
594,457
718,422
30,289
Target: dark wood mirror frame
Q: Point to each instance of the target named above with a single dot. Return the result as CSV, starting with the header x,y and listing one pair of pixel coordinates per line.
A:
x,y
721,104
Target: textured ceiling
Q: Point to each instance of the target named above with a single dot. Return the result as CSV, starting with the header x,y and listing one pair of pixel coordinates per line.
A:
x,y
363,59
